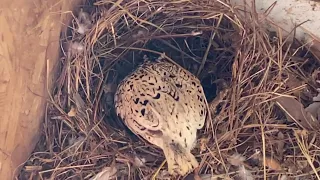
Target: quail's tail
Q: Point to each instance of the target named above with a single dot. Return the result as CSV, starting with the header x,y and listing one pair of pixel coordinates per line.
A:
x,y
179,159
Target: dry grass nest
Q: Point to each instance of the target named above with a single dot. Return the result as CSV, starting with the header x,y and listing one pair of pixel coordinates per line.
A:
x,y
264,126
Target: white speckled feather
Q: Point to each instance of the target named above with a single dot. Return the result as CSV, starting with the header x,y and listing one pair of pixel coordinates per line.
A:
x,y
165,104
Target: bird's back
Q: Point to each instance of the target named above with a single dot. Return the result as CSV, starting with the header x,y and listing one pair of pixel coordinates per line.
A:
x,y
162,100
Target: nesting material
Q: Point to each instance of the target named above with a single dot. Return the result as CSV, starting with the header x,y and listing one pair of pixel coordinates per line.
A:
x,y
259,128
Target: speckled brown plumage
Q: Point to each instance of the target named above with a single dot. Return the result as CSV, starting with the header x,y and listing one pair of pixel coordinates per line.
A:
x,y
165,104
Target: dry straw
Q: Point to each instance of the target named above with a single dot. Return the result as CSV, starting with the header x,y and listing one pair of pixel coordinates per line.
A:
x,y
251,134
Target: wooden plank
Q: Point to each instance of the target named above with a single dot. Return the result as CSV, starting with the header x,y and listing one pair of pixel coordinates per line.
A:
x,y
29,37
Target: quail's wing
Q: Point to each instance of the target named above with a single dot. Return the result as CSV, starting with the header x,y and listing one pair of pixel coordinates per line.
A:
x,y
147,102
189,89
139,104
157,95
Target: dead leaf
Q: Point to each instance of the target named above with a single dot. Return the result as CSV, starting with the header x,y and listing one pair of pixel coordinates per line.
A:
x,y
272,163
296,112
236,159
203,143
78,100
72,112
314,108
317,98
294,82
280,144
106,173
302,133
315,76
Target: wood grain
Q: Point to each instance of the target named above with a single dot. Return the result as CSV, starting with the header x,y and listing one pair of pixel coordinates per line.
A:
x,y
29,38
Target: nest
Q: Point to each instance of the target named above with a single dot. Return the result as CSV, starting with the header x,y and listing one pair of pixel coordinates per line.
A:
x,y
257,130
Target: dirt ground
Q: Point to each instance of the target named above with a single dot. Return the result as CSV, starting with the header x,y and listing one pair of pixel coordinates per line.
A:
x,y
29,49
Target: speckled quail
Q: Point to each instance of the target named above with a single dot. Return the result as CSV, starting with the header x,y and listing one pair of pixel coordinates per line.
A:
x,y
165,105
